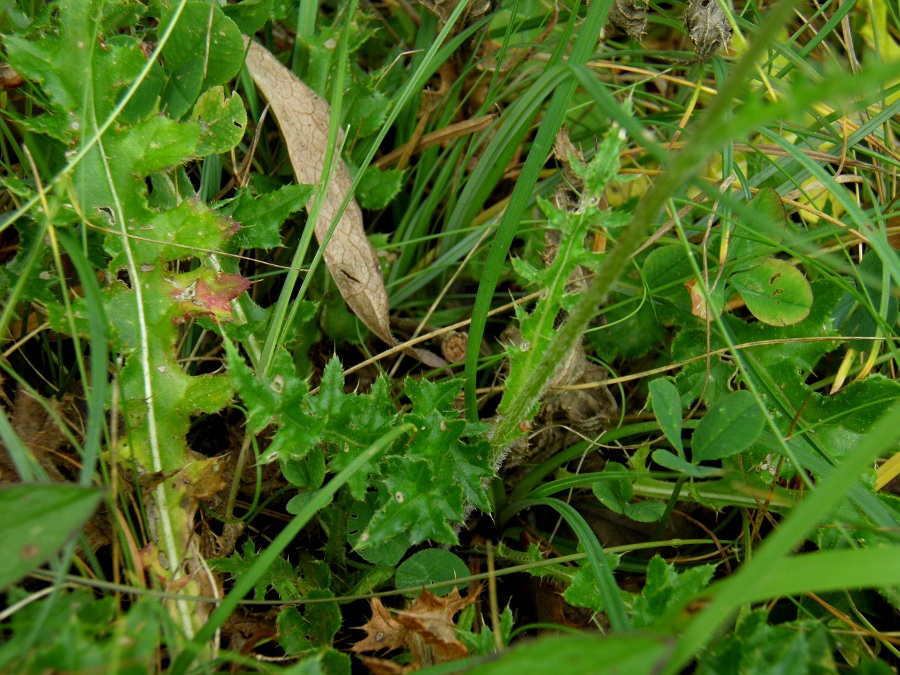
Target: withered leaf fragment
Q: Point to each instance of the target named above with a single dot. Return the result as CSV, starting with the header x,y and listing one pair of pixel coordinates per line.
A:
x,y
707,27
303,117
426,629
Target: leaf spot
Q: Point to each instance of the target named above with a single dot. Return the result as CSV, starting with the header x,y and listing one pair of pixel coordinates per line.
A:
x,y
277,384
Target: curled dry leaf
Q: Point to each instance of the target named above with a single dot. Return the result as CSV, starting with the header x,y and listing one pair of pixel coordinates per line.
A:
x,y
303,118
699,306
426,629
707,26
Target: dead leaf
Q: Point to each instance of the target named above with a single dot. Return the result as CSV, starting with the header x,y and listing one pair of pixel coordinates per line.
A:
x,y
699,307
303,117
707,27
382,630
426,629
432,619
39,431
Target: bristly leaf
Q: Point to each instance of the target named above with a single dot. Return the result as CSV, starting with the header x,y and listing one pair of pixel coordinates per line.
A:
x,y
665,587
584,590
755,646
558,281
280,576
144,237
262,215
418,490
416,501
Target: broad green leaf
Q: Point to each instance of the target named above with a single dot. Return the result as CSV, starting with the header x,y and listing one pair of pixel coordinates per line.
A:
x,y
788,363
776,292
665,271
262,215
728,428
249,15
840,421
430,566
709,378
614,493
666,401
223,121
629,332
38,520
204,50
307,472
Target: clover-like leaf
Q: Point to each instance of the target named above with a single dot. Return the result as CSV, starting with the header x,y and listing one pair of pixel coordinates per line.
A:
x,y
776,292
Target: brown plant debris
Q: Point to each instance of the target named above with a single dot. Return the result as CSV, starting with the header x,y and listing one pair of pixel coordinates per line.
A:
x,y
707,27
426,629
304,117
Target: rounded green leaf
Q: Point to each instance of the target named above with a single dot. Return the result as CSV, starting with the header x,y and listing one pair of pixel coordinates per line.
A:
x,y
428,567
728,428
776,292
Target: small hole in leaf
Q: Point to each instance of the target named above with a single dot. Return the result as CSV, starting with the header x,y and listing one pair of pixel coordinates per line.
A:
x,y
122,276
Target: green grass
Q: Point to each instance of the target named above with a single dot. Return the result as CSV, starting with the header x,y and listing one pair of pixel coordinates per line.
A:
x,y
725,266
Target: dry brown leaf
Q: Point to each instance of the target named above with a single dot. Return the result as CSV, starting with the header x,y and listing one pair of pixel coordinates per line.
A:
x,y
699,307
382,631
303,117
426,629
432,619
